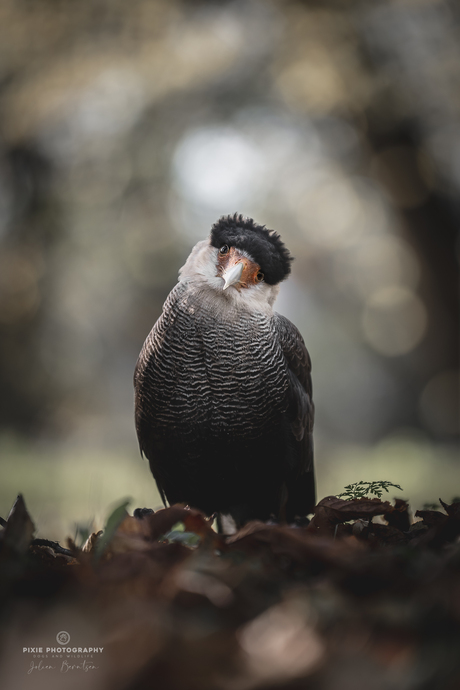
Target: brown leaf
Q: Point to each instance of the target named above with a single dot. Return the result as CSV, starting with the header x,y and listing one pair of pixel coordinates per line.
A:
x,y
444,530
131,535
195,522
294,545
399,516
90,544
19,529
431,518
452,510
249,528
49,557
159,523
386,534
332,510
357,508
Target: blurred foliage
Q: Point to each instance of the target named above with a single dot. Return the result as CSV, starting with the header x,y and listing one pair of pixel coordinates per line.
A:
x,y
342,603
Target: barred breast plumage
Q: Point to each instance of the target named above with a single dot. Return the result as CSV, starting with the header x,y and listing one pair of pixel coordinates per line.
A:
x,y
216,401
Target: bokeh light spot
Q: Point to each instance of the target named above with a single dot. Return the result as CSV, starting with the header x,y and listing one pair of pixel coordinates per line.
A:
x,y
394,321
280,643
377,263
217,167
330,213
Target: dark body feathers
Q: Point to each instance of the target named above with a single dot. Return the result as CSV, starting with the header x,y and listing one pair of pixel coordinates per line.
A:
x,y
224,409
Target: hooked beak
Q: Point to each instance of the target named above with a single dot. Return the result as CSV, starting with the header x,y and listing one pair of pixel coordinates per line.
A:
x,y
233,274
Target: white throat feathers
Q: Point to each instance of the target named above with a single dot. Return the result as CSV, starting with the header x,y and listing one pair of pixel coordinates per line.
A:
x,y
200,271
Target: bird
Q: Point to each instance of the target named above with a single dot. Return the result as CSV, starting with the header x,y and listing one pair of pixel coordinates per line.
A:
x,y
223,392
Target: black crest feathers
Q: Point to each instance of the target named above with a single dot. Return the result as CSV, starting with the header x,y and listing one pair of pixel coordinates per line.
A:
x,y
264,246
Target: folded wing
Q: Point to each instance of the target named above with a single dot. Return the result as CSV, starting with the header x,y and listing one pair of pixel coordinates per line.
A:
x,y
300,480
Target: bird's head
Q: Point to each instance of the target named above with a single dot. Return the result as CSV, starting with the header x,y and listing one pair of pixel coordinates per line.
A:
x,y
241,260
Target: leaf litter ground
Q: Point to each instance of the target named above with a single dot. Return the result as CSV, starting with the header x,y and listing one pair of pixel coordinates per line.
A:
x,y
361,597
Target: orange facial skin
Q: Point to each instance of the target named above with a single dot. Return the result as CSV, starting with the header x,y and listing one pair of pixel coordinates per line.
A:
x,y
251,270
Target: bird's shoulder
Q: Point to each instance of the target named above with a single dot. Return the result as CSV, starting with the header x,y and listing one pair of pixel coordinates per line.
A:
x,y
161,325
294,349
301,407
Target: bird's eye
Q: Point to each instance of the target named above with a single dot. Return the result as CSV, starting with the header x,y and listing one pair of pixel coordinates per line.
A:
x,y
259,276
224,250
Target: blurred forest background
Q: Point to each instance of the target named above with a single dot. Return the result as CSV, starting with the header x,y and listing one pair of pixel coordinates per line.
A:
x,y
128,128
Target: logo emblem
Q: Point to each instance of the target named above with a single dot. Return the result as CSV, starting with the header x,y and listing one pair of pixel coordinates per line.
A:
x,y
63,637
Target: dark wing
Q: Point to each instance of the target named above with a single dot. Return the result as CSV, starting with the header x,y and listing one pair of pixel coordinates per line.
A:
x,y
300,479
143,405
154,378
